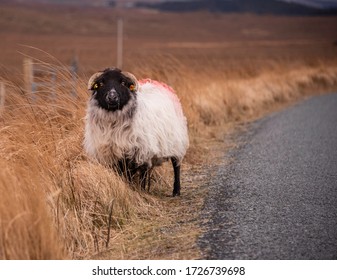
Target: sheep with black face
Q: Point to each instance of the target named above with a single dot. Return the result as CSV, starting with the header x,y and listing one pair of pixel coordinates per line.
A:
x,y
134,125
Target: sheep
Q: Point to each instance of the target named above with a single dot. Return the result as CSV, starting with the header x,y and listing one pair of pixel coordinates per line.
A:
x,y
134,125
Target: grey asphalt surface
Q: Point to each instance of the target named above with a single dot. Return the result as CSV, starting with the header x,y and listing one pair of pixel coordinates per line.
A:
x,y
277,199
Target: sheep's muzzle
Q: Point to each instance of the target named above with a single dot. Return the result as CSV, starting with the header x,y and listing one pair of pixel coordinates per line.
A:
x,y
112,99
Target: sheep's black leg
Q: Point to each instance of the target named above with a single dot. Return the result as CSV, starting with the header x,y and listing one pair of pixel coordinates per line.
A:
x,y
176,169
149,179
127,168
143,175
131,170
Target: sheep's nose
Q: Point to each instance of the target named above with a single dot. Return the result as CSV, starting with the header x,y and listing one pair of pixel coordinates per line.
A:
x,y
111,96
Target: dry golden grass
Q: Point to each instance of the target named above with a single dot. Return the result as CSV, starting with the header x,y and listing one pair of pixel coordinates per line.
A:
x,y
55,203
27,229
77,201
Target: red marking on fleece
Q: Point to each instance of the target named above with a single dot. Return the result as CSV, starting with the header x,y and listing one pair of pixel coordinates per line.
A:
x,y
160,85
156,83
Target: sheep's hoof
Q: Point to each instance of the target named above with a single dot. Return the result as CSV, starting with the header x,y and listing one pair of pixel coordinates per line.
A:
x,y
176,194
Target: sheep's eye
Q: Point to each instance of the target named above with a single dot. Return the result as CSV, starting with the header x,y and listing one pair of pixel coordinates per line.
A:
x,y
132,87
97,85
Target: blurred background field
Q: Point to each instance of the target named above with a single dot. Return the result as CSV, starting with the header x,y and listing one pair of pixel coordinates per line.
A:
x,y
226,68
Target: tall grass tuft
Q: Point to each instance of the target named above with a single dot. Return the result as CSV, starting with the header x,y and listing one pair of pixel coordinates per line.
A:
x,y
53,194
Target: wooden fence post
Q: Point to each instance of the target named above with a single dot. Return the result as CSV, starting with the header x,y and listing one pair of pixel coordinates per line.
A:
x,y
120,43
28,75
2,96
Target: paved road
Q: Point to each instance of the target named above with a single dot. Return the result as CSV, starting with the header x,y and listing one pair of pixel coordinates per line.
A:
x,y
278,197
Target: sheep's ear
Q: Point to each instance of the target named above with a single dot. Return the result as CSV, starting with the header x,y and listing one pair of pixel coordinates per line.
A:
x,y
92,80
134,86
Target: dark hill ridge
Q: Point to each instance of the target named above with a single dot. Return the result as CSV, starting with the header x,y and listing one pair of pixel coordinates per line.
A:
x,y
274,7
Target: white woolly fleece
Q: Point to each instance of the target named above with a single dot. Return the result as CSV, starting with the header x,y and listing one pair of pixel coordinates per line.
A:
x,y
155,132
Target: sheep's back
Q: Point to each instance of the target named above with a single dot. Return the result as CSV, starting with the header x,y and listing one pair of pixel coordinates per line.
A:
x,y
160,126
